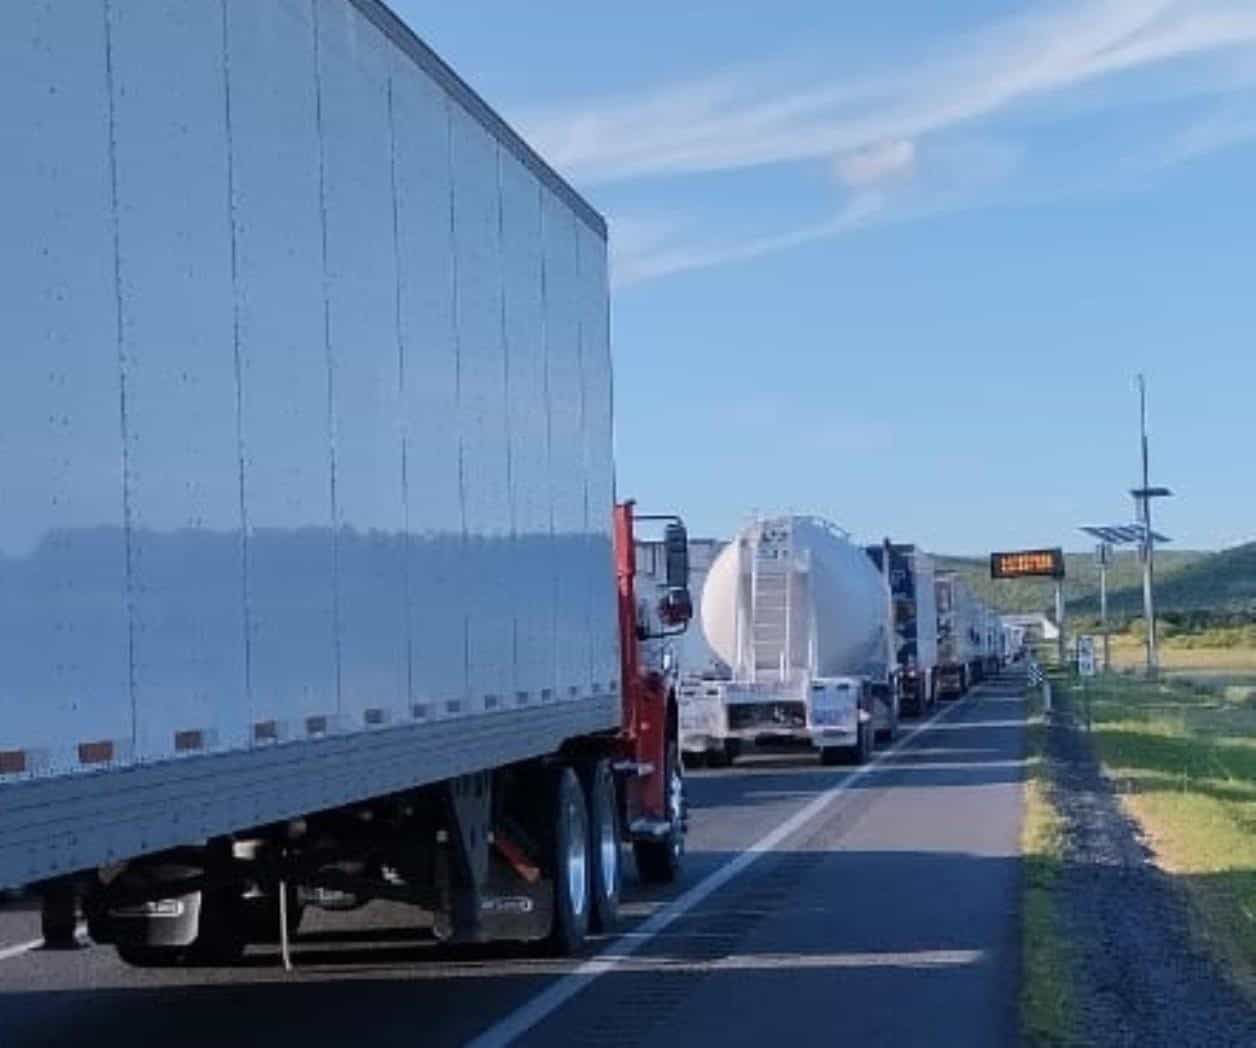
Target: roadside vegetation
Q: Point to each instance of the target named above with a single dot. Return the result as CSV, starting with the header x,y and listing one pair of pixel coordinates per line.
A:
x,y
1081,584
1046,990
1181,754
1193,587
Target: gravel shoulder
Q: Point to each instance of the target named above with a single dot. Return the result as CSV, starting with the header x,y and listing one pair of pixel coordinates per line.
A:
x,y
1138,977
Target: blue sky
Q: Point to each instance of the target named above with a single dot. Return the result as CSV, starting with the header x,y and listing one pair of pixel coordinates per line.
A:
x,y
897,265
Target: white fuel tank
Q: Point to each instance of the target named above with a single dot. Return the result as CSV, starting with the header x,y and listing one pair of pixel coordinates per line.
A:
x,y
791,597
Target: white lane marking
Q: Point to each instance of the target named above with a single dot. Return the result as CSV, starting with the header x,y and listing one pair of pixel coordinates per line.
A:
x,y
554,997
7,953
751,962
745,962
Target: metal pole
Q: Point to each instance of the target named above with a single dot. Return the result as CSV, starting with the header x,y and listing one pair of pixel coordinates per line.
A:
x,y
1061,651
1149,604
1103,611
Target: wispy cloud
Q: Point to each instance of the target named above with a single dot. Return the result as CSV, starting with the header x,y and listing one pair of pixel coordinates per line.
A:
x,y
749,118
877,132
669,256
1228,127
885,161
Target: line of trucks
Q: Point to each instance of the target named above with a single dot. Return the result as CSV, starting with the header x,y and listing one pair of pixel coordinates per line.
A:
x,y
803,638
315,588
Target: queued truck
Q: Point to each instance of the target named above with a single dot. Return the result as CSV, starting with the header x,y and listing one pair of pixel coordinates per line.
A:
x,y
915,623
797,619
957,634
314,588
968,636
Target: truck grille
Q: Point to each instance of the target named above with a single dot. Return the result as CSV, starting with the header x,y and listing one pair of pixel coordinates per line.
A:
x,y
767,715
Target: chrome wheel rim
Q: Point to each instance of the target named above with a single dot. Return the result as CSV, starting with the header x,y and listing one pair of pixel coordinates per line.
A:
x,y
577,859
609,845
676,808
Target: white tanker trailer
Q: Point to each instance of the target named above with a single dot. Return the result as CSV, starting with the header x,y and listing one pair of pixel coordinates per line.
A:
x,y
800,615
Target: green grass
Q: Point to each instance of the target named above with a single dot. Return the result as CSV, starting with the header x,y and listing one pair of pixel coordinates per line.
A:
x,y
1183,759
1047,1011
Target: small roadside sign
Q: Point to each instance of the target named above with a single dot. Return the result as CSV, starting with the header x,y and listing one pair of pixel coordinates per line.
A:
x,y
1086,656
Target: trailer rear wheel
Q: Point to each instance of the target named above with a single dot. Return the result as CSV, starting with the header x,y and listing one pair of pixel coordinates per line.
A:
x,y
726,756
658,861
604,846
570,864
863,748
891,731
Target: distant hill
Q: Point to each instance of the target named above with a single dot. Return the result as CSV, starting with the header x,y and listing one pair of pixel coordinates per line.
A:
x,y
1081,586
1216,582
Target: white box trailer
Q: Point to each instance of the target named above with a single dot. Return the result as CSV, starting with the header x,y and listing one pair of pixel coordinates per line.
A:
x,y
305,450
959,635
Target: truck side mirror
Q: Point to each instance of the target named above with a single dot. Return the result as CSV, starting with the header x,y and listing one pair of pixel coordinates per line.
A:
x,y
676,547
676,608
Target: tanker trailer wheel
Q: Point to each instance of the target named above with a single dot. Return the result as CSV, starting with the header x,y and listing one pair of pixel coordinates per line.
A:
x,y
569,864
658,861
606,873
862,750
890,733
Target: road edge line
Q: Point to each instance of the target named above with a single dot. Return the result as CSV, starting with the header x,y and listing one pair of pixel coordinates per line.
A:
x,y
7,953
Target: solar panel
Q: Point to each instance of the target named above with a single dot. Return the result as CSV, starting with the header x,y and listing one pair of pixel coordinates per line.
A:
x,y
1123,534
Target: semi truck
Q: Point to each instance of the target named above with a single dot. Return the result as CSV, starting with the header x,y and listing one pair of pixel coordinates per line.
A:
x,y
801,617
314,588
968,636
994,646
915,623
959,635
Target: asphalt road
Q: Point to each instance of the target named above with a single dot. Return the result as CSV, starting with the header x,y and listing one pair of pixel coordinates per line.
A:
x,y
818,905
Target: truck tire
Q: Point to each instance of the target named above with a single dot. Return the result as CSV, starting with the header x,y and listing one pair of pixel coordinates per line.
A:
x,y
726,756
658,862
606,873
570,864
890,733
863,747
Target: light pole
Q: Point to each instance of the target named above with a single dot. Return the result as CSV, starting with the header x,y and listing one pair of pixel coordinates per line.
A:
x,y
1142,498
1105,557
1061,642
